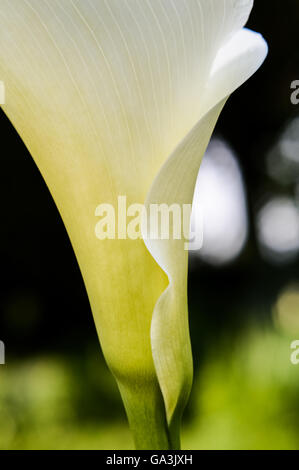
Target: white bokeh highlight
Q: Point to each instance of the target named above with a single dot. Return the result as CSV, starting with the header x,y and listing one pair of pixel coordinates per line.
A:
x,y
219,206
278,229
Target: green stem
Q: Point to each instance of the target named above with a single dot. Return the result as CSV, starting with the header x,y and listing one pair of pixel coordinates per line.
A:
x,y
147,419
175,433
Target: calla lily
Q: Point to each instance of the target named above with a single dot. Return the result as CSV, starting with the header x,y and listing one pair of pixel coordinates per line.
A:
x,y
120,97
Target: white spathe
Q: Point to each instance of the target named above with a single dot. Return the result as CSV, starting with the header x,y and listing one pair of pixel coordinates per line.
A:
x,y
120,97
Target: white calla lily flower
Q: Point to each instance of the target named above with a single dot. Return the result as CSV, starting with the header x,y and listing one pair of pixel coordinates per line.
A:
x,y
120,97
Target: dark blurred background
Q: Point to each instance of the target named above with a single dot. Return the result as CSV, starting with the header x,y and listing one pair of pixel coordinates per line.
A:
x,y
55,389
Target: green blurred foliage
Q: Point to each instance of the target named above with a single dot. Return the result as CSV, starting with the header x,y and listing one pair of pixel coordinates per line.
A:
x,y
244,397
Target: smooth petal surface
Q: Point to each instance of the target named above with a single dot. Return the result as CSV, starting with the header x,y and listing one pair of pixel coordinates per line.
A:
x,y
234,64
120,97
